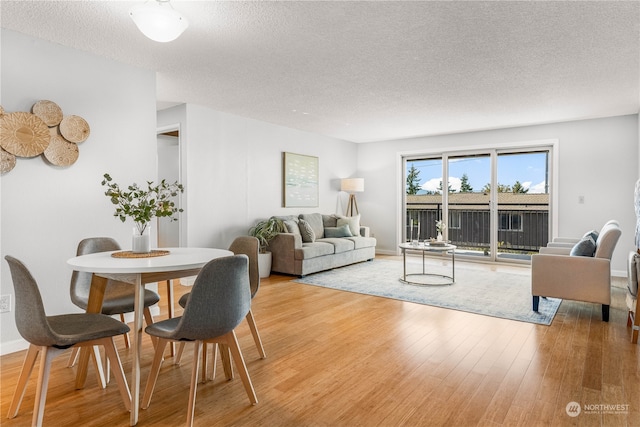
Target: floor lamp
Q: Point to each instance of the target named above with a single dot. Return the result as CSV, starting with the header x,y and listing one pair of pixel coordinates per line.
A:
x,y
352,185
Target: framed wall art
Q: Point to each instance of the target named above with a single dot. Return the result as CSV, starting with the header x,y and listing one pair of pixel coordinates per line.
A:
x,y
299,181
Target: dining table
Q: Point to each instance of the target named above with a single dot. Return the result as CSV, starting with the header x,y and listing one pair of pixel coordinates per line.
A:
x,y
164,264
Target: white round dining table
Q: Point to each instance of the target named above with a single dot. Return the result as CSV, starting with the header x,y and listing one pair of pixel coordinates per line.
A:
x,y
178,263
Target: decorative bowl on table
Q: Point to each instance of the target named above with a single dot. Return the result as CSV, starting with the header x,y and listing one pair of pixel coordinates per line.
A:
x,y
434,242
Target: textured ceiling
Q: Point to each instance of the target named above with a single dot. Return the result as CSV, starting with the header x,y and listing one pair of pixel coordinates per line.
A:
x,y
372,70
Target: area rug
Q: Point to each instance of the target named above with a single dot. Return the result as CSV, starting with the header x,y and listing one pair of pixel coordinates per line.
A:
x,y
477,289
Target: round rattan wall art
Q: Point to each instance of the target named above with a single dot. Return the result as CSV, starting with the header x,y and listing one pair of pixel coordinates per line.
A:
x,y
24,134
61,152
48,111
74,129
46,130
7,162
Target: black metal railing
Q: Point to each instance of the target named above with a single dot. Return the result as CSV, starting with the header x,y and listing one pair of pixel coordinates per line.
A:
x,y
520,229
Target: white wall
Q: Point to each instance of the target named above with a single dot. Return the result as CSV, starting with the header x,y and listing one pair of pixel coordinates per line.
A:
x,y
597,159
47,210
234,170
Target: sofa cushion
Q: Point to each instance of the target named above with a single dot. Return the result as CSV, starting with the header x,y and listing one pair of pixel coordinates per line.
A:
x,y
340,244
292,226
313,250
342,231
363,242
352,221
329,220
585,247
315,221
308,235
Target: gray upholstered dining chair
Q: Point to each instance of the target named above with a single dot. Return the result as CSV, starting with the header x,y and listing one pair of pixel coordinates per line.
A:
x,y
221,298
51,335
249,246
119,296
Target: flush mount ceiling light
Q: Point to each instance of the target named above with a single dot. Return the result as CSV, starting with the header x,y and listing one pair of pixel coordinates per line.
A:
x,y
158,20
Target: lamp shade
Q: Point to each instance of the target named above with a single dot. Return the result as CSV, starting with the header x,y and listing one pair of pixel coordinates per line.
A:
x,y
158,20
352,185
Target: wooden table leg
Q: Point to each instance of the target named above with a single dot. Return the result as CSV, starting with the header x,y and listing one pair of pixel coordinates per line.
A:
x,y
138,307
172,311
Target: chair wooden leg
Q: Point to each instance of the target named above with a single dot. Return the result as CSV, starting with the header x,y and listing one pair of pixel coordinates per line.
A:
x,y
97,364
127,343
203,373
225,356
232,342
214,361
199,346
73,357
48,354
153,373
256,335
112,355
23,379
148,319
176,360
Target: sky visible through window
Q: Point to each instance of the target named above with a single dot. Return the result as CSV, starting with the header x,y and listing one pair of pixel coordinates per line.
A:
x,y
527,168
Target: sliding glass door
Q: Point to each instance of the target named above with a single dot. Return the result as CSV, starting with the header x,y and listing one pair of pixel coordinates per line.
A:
x,y
496,206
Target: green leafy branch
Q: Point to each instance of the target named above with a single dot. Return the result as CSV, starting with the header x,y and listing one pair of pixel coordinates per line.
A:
x,y
142,205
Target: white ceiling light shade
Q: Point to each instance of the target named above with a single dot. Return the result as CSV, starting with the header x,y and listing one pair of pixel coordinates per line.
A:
x,y
158,20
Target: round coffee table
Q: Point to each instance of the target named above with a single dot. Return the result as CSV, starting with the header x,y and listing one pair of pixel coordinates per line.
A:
x,y
425,277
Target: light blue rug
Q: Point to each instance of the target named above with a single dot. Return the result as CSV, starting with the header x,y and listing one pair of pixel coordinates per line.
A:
x,y
477,289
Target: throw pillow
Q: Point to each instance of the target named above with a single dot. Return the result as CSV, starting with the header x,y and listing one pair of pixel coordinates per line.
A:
x,y
593,234
308,236
343,231
585,247
352,221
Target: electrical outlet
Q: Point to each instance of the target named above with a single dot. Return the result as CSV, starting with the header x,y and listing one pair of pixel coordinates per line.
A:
x,y
5,303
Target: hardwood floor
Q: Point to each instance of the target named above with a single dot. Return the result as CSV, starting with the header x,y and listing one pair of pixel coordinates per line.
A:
x,y
342,359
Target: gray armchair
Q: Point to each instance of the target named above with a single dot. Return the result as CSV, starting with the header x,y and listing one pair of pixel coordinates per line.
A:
x,y
579,278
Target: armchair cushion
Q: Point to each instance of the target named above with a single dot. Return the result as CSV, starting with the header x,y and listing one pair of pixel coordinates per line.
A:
x,y
585,247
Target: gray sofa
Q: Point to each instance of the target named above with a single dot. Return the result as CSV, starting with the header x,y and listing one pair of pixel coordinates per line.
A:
x,y
316,242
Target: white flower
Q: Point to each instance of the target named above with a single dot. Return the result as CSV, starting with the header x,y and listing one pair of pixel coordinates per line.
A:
x,y
440,226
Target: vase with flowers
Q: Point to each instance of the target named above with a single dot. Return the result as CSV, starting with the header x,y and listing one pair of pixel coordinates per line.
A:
x,y
142,205
440,227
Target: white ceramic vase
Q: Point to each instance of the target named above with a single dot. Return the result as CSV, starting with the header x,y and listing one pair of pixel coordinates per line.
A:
x,y
141,243
439,237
